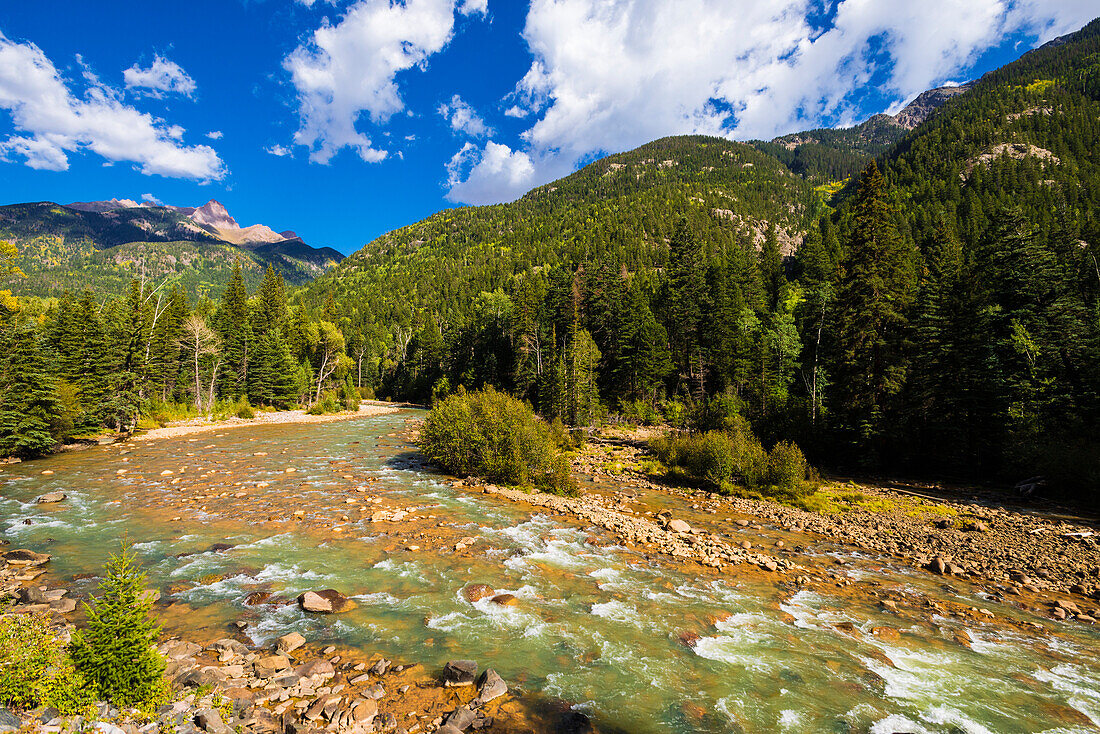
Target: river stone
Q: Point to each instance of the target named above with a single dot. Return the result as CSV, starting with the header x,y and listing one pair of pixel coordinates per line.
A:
x,y
50,497
321,668
33,595
459,673
268,666
289,643
505,600
460,718
326,601
8,720
477,592
679,526
448,729
490,686
210,720
24,557
364,712
937,565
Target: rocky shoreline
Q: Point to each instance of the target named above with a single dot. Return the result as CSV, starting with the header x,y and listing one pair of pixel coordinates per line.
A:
x,y
287,687
1050,565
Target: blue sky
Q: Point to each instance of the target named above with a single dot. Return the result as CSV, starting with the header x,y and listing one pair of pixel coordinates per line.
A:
x,y
343,119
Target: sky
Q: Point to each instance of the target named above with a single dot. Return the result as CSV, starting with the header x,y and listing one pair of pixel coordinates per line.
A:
x,y
344,119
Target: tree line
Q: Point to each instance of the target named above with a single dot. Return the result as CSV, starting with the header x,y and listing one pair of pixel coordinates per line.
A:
x,y
81,363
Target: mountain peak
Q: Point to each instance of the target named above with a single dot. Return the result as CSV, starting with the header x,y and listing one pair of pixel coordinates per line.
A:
x,y
214,214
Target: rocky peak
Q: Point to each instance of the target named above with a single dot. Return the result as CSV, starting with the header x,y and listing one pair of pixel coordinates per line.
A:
x,y
921,108
214,214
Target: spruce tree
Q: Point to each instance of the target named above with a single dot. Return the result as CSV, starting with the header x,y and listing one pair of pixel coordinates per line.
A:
x,y
233,328
873,296
115,651
29,408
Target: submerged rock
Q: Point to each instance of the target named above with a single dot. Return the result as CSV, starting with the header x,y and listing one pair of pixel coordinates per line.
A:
x,y
477,592
505,600
51,497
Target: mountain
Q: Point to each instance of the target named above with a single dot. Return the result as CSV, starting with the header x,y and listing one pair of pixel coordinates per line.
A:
x,y
102,244
623,206
835,154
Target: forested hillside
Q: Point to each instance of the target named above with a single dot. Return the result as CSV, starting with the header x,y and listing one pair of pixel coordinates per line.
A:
x,y
65,248
942,320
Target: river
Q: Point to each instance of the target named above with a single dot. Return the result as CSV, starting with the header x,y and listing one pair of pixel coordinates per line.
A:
x,y
607,629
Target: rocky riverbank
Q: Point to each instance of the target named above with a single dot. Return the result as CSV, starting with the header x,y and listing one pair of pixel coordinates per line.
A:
x,y
1048,563
290,687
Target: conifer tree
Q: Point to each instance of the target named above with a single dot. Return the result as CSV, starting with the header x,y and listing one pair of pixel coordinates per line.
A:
x,y
686,288
115,651
29,408
873,296
233,328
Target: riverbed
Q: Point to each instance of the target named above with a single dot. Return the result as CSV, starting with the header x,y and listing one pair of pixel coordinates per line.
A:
x,y
635,640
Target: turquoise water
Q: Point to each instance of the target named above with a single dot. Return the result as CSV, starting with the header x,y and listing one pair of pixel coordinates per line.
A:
x,y
598,626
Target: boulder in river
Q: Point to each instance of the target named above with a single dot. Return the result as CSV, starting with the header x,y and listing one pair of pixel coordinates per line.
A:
x,y
679,526
505,600
51,497
937,565
24,557
290,642
476,592
459,673
490,686
326,601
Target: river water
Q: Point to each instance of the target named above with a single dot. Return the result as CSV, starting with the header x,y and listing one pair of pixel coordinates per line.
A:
x,y
597,626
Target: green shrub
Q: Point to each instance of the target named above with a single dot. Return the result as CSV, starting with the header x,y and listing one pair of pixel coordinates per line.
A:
x,y
489,434
329,403
787,468
733,461
35,667
115,652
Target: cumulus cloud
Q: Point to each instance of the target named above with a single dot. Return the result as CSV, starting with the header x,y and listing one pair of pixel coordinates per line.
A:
x,y
515,111
495,172
608,75
470,7
280,151
348,69
150,199
52,122
215,134
162,77
463,118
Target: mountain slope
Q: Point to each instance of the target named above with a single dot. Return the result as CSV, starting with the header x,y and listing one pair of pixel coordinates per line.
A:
x,y
102,244
625,206
834,154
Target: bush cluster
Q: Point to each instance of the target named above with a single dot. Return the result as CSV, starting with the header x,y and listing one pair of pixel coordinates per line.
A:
x,y
490,434
35,667
724,460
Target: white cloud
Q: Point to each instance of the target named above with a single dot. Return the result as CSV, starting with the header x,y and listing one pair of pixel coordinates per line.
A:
x,y
52,122
150,199
215,134
608,75
469,7
163,76
281,151
463,118
497,173
515,111
350,68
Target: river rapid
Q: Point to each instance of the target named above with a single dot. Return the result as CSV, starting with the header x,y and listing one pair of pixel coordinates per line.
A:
x,y
639,643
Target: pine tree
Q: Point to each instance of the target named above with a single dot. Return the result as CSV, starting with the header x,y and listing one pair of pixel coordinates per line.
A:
x,y
115,651
873,296
29,408
686,288
233,328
